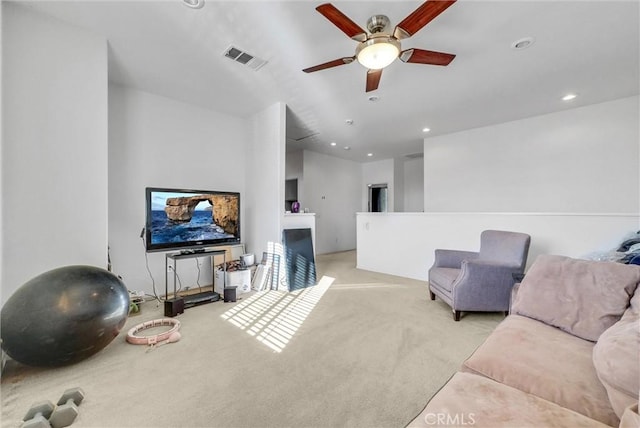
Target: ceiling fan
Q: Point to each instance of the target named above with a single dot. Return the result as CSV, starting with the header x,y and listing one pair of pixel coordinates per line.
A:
x,y
378,48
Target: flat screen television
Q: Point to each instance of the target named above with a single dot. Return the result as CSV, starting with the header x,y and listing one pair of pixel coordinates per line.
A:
x,y
187,219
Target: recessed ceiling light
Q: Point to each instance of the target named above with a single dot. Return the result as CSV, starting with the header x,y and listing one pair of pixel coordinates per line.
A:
x,y
374,98
194,4
426,129
333,143
347,148
523,43
569,97
369,154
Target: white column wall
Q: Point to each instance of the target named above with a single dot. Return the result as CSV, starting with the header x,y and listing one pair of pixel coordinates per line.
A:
x,y
54,146
398,185
414,185
265,172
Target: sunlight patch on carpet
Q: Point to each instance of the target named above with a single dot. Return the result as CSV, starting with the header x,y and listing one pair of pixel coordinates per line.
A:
x,y
273,316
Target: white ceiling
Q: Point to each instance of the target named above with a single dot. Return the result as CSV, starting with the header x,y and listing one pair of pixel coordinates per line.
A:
x,y
591,48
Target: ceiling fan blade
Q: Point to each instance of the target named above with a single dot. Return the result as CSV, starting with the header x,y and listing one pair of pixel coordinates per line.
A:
x,y
421,56
334,63
343,22
421,17
373,79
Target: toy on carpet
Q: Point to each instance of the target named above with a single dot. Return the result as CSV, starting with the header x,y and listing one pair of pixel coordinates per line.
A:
x,y
170,336
45,415
63,316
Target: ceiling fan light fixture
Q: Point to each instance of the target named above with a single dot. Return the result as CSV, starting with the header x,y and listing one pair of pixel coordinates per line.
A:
x,y
378,52
194,4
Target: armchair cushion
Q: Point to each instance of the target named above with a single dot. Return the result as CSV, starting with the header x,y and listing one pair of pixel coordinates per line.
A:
x,y
443,277
581,297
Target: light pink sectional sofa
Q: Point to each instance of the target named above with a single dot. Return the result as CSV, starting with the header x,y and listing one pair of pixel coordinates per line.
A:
x,y
568,355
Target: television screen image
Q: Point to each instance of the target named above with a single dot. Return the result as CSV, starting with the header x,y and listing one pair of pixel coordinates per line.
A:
x,y
180,219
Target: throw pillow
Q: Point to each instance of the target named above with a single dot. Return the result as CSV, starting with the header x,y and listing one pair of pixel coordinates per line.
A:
x,y
581,297
617,363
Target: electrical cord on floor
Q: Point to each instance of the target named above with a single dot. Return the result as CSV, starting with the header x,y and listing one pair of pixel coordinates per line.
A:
x,y
172,268
198,279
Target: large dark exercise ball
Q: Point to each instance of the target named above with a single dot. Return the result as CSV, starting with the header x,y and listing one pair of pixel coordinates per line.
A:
x,y
64,316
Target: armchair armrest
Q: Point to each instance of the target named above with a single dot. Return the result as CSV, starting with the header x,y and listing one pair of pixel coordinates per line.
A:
x,y
453,258
484,285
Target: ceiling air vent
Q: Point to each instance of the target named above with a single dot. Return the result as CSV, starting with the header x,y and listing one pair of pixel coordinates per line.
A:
x,y
244,58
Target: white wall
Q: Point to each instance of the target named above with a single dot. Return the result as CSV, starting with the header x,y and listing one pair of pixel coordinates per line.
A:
x,y
405,179
569,179
3,295
414,185
331,189
159,142
294,165
403,244
54,146
582,160
265,172
294,170
377,172
398,184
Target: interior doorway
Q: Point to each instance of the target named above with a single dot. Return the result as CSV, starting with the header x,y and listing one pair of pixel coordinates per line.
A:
x,y
378,198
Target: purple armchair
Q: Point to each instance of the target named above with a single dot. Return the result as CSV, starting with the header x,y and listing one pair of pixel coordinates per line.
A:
x,y
480,281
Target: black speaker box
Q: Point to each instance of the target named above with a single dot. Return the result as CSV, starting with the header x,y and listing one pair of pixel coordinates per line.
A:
x,y
173,307
230,294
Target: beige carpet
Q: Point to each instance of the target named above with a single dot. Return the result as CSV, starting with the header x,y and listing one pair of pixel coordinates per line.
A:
x,y
369,350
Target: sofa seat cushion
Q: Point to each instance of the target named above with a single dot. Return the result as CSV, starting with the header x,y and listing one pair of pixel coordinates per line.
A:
x,y
544,361
468,400
582,297
443,278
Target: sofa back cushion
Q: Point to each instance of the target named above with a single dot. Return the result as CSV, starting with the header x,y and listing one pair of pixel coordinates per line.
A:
x,y
581,297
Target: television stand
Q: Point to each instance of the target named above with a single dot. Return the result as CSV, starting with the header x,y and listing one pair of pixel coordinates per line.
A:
x,y
199,298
